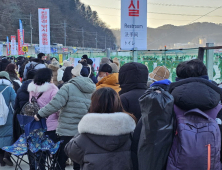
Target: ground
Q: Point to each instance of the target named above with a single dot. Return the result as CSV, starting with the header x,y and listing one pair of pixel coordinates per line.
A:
x,y
26,167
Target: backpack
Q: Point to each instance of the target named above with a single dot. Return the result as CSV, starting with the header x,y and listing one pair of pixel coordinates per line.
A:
x,y
31,108
31,67
4,110
197,142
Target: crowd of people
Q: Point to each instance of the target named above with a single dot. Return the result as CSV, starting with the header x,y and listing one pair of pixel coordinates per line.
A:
x,y
114,118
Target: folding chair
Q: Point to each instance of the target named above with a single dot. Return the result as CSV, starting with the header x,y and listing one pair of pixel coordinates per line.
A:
x,y
35,144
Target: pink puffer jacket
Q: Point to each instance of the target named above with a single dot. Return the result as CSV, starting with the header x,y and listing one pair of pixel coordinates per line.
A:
x,y
48,91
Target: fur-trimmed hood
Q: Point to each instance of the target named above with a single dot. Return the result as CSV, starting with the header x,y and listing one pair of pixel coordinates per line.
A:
x,y
108,131
39,89
113,124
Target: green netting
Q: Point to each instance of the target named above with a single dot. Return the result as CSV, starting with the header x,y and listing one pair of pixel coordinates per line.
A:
x,y
151,59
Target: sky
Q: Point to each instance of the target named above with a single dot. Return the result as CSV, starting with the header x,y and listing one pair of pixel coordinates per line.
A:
x,y
161,12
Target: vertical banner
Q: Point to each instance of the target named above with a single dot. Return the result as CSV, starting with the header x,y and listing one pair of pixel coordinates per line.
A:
x,y
133,24
13,45
20,42
60,58
21,32
44,30
1,49
7,47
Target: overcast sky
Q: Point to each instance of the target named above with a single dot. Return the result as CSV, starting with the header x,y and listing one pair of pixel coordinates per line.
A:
x,y
196,8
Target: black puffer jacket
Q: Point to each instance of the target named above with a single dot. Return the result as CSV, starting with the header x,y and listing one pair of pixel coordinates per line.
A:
x,y
3,64
21,99
198,93
22,95
104,142
194,93
133,79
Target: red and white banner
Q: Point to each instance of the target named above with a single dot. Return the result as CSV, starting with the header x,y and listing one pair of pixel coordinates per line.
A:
x,y
13,45
133,24
20,42
44,30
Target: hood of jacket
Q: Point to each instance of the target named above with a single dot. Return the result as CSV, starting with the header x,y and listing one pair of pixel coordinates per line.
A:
x,y
40,89
13,76
84,84
133,76
6,82
52,67
36,60
109,131
111,79
192,93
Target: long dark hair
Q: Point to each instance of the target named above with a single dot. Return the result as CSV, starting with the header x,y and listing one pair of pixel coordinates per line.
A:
x,y
105,100
11,68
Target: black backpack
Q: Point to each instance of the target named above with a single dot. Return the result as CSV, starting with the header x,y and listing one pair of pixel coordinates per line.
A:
x,y
31,67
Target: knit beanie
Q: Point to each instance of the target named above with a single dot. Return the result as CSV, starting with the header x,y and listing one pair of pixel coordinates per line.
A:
x,y
105,60
115,69
116,61
85,71
77,70
66,63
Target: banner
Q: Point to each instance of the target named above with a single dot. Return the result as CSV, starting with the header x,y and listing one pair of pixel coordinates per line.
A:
x,y
44,30
7,47
20,42
54,50
96,63
1,49
65,50
21,32
133,24
13,45
60,58
74,49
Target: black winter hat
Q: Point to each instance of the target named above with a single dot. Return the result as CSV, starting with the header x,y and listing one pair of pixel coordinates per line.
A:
x,y
89,61
85,57
105,68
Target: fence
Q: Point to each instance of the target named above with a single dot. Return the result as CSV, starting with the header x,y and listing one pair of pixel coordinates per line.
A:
x,y
152,58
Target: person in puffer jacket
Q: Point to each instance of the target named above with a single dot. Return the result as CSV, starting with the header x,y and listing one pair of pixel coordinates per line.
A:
x,y
22,98
44,90
194,90
104,140
74,101
37,63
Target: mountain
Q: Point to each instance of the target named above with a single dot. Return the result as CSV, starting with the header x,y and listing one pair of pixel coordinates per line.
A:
x,y
187,36
73,13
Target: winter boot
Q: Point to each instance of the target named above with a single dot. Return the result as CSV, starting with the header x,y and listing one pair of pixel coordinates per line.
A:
x,y
2,163
7,159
